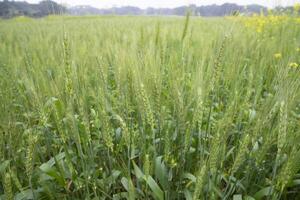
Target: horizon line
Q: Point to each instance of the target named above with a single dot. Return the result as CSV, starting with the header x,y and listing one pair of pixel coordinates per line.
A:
x,y
156,7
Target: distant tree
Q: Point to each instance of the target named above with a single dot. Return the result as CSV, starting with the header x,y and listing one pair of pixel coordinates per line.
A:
x,y
48,7
11,8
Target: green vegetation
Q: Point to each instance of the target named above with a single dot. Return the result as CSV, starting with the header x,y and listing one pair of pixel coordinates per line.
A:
x,y
150,108
10,9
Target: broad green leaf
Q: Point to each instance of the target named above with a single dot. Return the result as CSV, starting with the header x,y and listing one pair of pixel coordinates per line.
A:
x,y
137,171
161,172
51,162
27,194
129,188
159,194
52,172
264,192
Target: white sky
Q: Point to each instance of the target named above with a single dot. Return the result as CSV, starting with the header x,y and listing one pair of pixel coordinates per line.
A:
x,y
168,3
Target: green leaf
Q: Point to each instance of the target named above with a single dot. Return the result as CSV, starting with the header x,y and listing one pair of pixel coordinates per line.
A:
x,y
115,174
138,173
159,194
124,182
113,177
51,162
59,108
27,194
120,196
154,187
48,169
188,195
4,165
190,177
54,174
230,152
248,198
267,191
217,191
295,182
51,101
237,197
161,172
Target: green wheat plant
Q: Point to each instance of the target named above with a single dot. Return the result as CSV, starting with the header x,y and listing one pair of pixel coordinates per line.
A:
x,y
150,108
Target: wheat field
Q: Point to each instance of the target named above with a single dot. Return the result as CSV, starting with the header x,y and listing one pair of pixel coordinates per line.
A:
x,y
150,108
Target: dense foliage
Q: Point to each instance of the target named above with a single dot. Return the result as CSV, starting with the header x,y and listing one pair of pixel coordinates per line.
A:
x,y
150,108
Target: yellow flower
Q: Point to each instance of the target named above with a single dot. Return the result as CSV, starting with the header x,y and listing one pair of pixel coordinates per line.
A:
x,y
259,30
294,65
277,55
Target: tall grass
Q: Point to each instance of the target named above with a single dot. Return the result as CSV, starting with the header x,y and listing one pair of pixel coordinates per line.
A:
x,y
149,108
